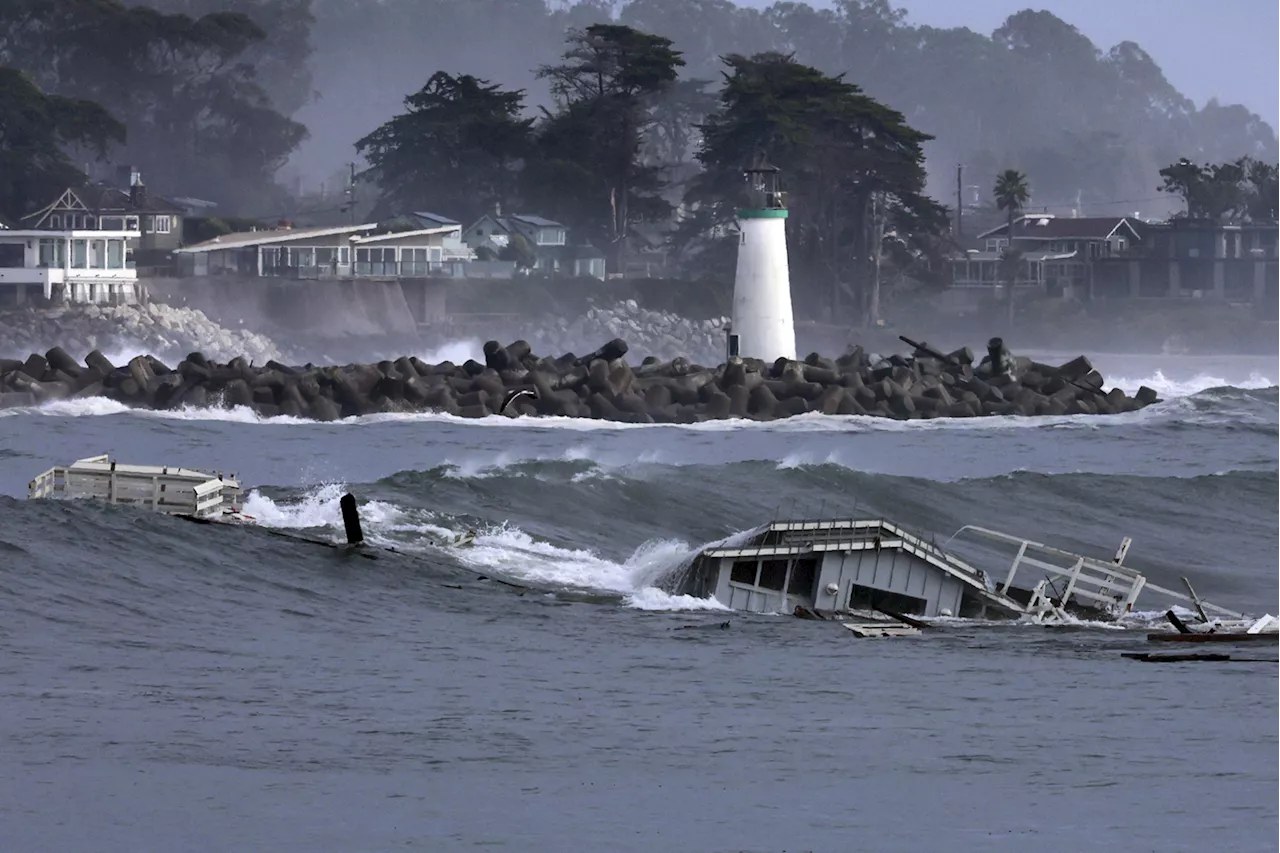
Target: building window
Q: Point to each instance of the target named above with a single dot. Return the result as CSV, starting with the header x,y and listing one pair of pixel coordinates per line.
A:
x,y
550,236
12,256
78,255
773,574
55,222
376,262
163,224
98,254
744,571
115,254
344,256
49,254
89,223
111,223
131,223
803,574
414,261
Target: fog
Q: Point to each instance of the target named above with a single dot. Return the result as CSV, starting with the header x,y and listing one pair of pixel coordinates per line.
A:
x,y
367,55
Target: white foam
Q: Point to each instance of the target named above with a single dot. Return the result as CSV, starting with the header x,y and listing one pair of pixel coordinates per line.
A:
x,y
457,352
102,406
804,459
320,509
811,422
511,551
500,550
126,350
652,598
1172,388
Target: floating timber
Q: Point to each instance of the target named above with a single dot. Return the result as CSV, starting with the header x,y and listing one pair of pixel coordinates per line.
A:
x,y
174,491
868,630
1213,637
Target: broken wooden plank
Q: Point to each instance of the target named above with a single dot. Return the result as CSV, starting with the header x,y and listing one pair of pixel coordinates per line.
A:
x,y
1208,637
1148,657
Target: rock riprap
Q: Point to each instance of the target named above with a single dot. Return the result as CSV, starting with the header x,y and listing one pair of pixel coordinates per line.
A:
x,y
513,381
661,334
153,327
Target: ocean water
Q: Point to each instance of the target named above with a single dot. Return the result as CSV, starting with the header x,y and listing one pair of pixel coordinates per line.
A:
x,y
167,686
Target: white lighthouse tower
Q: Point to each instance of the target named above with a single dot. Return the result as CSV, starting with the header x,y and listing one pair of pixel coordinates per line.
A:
x,y
763,326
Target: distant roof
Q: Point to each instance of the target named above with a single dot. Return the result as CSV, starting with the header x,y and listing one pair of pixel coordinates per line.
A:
x,y
1047,227
435,218
571,253
245,239
393,235
537,221
100,198
974,255
192,203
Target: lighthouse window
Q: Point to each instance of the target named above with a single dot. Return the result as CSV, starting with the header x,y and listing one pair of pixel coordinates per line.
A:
x,y
744,571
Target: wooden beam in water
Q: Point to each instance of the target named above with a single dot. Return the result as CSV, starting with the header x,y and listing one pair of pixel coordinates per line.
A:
x,y
351,519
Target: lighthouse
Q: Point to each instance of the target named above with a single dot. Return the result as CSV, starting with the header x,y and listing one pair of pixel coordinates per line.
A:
x,y
763,326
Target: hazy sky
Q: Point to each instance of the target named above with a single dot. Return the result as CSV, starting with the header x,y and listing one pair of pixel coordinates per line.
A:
x,y
1207,48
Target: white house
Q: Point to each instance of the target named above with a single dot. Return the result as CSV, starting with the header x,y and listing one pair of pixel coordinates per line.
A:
x,y
548,239
342,251
79,265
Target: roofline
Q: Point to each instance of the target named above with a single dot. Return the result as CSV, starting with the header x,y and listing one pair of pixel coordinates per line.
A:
x,y
74,233
421,232
278,236
1124,220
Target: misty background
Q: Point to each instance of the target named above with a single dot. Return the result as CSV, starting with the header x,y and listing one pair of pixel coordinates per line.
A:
x,y
1048,112
1091,100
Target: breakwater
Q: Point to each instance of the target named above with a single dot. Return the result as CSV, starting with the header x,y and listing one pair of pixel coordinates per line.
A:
x,y
513,381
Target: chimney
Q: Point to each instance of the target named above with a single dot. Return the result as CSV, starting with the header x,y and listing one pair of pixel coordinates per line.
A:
x,y
128,176
497,209
138,193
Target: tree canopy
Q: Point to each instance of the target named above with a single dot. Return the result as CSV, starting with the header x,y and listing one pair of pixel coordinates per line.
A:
x,y
35,132
1035,94
588,163
454,151
852,167
1224,192
199,123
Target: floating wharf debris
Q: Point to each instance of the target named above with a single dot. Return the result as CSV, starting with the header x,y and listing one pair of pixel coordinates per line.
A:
x,y
170,490
872,575
845,569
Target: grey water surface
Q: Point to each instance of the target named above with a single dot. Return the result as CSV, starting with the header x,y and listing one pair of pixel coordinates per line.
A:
x,y
166,686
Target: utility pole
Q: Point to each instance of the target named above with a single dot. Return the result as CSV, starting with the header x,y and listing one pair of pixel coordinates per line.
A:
x,y
959,199
351,194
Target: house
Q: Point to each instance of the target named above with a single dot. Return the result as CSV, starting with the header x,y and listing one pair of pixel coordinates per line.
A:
x,y
74,263
158,221
1057,252
1197,259
553,255
406,247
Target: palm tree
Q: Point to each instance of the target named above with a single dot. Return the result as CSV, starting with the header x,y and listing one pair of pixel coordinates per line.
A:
x,y
1011,193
